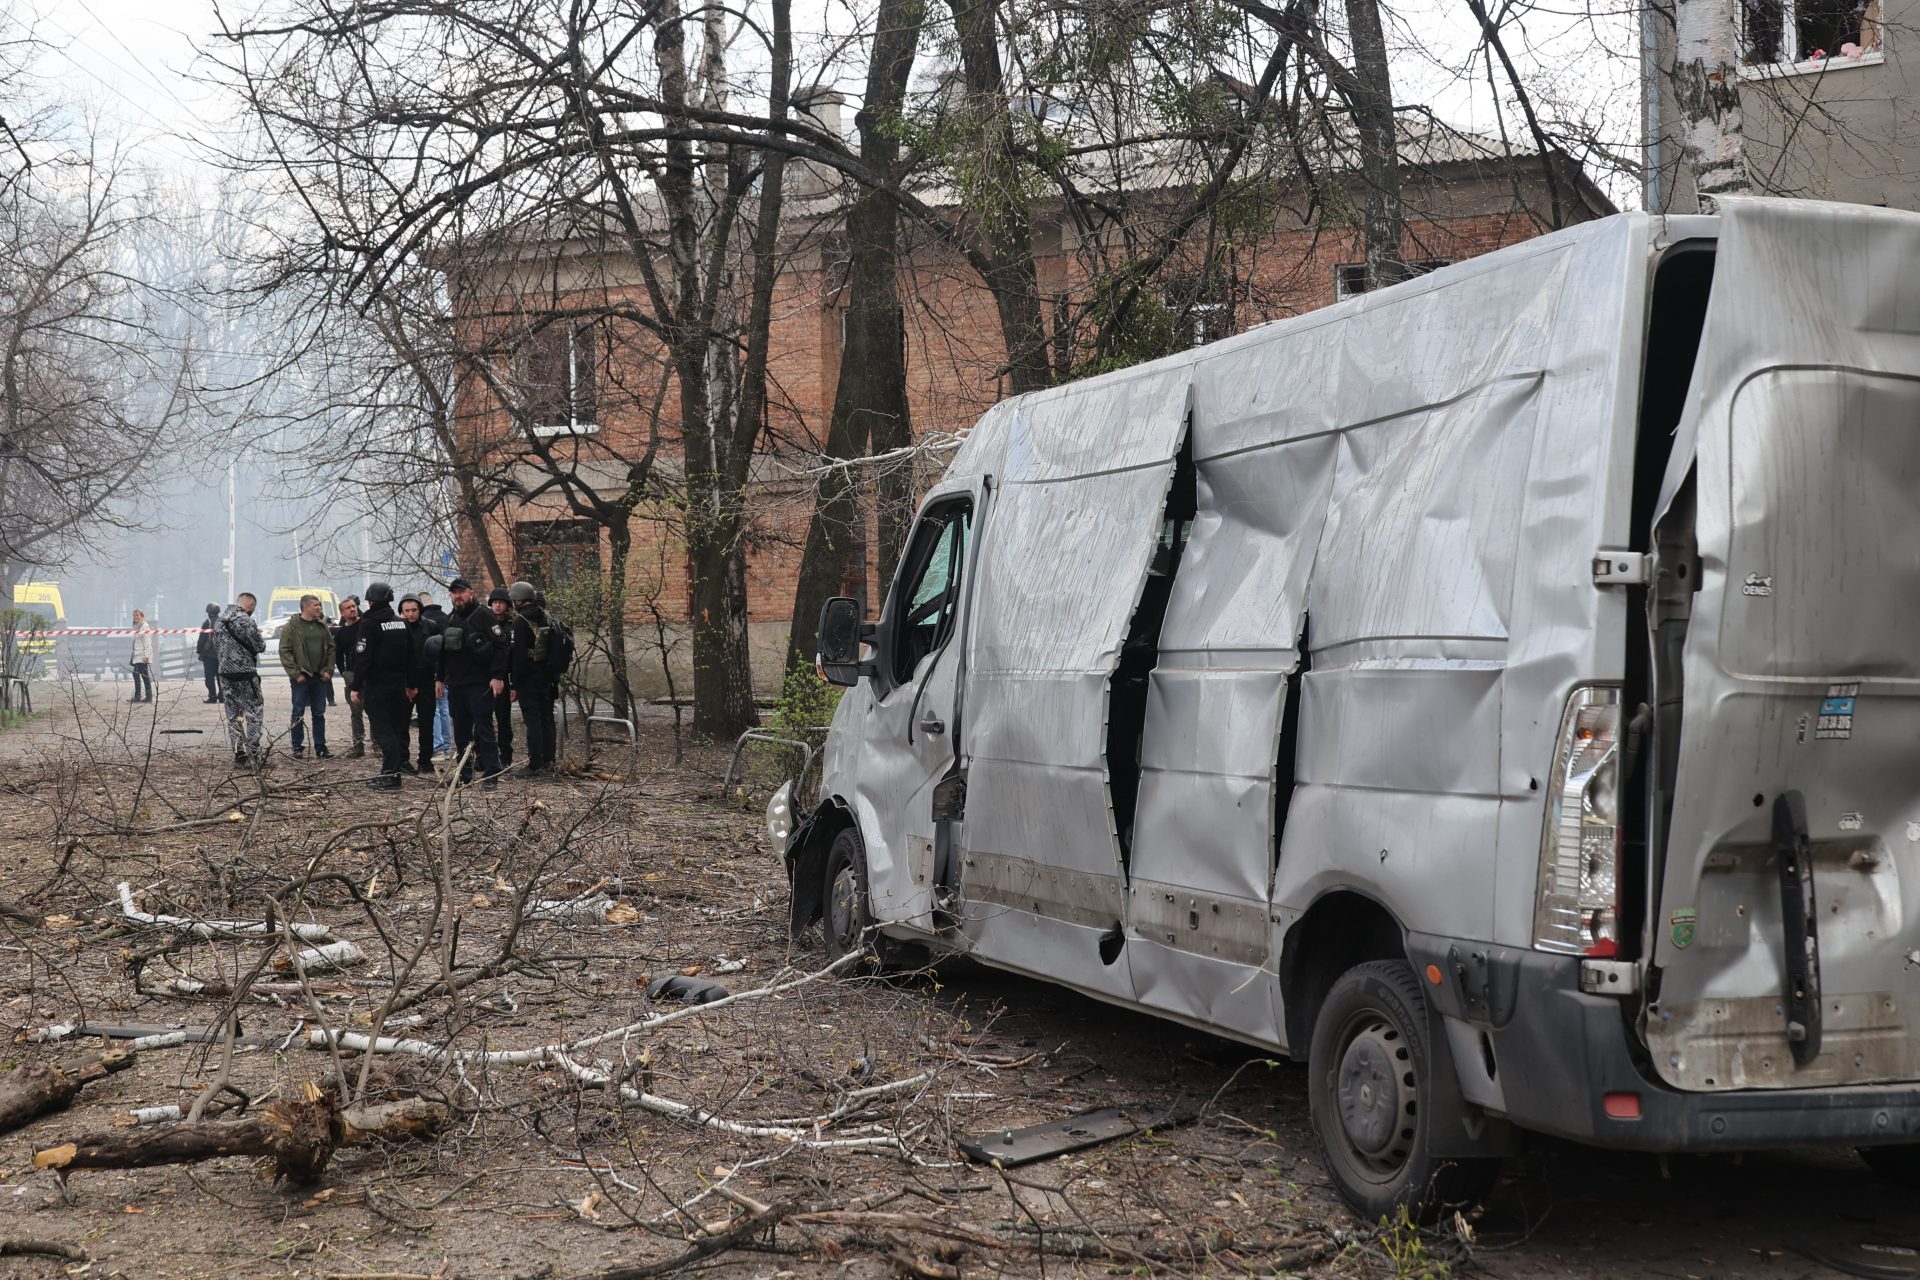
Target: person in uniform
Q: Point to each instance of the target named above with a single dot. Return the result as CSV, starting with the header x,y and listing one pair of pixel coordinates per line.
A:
x,y
500,604
241,644
472,673
384,660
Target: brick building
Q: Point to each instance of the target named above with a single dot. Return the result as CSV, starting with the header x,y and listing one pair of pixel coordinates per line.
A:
x,y
600,395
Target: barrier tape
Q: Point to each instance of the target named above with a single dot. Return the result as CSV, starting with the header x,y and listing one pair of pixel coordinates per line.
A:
x,y
115,631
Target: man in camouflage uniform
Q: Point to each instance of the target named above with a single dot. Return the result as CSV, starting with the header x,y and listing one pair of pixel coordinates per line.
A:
x,y
240,645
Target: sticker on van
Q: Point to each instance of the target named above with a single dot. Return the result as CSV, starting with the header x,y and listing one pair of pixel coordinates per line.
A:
x,y
1682,922
1836,711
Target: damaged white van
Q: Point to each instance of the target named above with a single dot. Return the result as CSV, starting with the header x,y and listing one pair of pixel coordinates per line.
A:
x,y
1501,692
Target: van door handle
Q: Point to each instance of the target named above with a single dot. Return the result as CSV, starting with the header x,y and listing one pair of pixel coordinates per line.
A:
x,y
931,726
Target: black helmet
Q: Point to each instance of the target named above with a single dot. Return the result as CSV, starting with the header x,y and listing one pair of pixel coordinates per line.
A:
x,y
522,593
433,645
213,611
379,593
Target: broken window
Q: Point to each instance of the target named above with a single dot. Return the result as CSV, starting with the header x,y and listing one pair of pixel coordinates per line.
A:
x,y
1789,31
1350,279
931,581
559,375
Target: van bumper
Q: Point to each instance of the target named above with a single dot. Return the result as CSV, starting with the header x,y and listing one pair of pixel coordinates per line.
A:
x,y
1558,1052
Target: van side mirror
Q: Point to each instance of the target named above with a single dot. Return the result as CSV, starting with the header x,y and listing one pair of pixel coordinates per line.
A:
x,y
840,635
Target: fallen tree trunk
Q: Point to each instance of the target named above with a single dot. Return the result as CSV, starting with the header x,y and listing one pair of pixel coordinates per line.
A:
x,y
36,1088
299,1137
414,1118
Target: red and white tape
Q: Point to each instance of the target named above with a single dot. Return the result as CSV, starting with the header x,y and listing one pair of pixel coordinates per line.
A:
x,y
115,631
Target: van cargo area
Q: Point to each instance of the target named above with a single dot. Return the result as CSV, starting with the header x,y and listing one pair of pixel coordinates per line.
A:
x,y
1496,691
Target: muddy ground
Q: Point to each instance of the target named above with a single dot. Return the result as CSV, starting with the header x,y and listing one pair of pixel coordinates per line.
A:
x,y
816,1124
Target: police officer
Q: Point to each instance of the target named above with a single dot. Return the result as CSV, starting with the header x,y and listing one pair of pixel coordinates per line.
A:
x,y
499,604
384,660
532,682
472,672
425,704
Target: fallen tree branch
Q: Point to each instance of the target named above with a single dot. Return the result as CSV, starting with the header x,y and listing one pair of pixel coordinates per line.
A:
x,y
47,1248
37,1088
220,928
743,1228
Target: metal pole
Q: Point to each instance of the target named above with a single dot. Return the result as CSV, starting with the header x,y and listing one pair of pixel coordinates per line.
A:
x,y
232,490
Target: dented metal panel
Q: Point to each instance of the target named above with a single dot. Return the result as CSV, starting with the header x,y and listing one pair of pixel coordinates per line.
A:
x,y
1800,670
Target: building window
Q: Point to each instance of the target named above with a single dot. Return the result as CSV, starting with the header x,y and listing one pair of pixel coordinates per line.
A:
x,y
1789,31
1202,305
1350,278
551,554
560,374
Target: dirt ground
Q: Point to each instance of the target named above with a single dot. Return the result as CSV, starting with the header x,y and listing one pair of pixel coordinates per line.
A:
x,y
805,1131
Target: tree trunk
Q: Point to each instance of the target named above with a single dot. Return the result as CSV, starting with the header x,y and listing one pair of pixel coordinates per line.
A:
x,y
37,1088
1007,215
299,1137
619,550
1371,97
1705,84
870,410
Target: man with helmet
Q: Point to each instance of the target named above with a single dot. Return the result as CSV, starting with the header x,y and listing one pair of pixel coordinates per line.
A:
x,y
384,660
426,655
533,680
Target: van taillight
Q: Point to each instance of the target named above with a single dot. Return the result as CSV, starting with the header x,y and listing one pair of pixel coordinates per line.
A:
x,y
1577,910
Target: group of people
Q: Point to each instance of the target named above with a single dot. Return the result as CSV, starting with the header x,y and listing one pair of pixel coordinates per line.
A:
x,y
404,664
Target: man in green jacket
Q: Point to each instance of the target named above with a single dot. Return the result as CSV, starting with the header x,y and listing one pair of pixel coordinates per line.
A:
x,y
306,651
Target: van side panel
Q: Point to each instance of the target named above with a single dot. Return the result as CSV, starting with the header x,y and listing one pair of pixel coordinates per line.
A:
x,y
1078,509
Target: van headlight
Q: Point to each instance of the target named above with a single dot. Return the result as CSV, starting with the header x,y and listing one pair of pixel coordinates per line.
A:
x,y
780,818
1577,910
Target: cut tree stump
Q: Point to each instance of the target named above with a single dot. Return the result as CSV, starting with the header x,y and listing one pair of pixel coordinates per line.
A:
x,y
36,1088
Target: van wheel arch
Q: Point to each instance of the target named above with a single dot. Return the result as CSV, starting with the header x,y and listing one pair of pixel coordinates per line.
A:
x,y
1343,928
807,859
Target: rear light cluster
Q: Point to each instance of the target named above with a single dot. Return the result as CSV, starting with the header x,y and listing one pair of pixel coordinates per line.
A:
x,y
1577,911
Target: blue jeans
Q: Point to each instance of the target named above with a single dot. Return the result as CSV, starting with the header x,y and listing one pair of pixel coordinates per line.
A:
x,y
442,726
310,695
142,682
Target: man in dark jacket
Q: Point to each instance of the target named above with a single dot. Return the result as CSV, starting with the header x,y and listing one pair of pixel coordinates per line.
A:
x,y
532,681
442,718
385,656
472,671
206,648
421,681
499,604
344,636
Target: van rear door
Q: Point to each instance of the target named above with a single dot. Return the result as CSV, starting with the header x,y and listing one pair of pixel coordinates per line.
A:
x,y
1786,928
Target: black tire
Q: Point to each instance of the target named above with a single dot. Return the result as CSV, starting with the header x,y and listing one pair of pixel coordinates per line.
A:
x,y
1368,1067
846,918
1899,1165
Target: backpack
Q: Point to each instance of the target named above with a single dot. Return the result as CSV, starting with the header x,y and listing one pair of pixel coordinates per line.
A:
x,y
559,647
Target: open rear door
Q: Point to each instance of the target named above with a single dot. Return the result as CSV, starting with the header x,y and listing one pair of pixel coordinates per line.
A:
x,y
1786,929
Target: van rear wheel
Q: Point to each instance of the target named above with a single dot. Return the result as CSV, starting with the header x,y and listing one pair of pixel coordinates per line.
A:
x,y
1369,1066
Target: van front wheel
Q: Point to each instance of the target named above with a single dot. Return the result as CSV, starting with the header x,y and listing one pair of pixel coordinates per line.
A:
x,y
1369,1067
846,918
